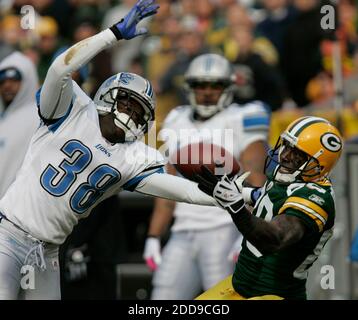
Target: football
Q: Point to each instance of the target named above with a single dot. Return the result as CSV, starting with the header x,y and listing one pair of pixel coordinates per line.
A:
x,y
189,159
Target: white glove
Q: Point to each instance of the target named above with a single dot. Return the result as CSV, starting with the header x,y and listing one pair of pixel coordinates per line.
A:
x,y
223,190
152,255
235,250
227,194
250,195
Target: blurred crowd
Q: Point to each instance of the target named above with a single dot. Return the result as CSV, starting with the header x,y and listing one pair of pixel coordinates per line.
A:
x,y
279,50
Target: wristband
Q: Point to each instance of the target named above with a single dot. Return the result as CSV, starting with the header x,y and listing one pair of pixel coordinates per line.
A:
x,y
116,31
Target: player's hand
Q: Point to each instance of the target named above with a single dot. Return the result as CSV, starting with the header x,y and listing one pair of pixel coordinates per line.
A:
x,y
127,27
249,194
235,250
152,255
222,189
240,179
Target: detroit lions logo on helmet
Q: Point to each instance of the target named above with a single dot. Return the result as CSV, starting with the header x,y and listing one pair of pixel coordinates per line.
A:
x,y
331,142
109,81
125,78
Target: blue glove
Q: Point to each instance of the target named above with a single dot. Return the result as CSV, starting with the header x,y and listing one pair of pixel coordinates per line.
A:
x,y
127,27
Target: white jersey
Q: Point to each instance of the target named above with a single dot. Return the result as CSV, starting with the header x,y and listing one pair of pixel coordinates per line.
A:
x,y
234,128
70,159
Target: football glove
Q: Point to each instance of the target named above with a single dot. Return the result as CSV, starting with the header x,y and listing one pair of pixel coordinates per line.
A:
x,y
250,195
127,27
223,190
152,255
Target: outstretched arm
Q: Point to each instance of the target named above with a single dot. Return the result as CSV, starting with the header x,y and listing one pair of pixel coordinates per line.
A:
x,y
269,236
162,212
174,188
266,236
57,92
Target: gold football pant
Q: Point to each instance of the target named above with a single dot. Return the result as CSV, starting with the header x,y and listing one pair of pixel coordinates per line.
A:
x,y
224,291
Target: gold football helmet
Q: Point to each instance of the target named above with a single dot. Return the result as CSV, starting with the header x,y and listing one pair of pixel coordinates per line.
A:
x,y
306,151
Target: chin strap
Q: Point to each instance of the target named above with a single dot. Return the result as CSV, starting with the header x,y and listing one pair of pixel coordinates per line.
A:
x,y
288,177
102,110
206,111
123,121
285,177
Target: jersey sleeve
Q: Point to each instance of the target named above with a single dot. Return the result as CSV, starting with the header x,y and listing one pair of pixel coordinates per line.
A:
x,y
314,206
172,116
57,92
79,98
153,162
251,123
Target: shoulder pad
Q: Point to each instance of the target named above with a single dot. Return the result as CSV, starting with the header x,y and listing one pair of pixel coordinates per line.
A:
x,y
310,199
255,116
174,114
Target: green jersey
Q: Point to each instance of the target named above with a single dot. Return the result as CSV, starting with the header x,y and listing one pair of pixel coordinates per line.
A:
x,y
284,273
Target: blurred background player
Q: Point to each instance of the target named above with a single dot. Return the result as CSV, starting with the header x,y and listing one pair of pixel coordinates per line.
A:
x,y
292,219
18,118
204,243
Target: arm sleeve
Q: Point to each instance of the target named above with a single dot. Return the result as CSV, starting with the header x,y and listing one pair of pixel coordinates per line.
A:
x,y
132,184
255,123
310,223
312,214
251,123
57,91
174,188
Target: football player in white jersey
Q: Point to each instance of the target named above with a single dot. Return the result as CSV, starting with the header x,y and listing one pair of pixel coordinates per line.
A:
x,y
83,152
203,244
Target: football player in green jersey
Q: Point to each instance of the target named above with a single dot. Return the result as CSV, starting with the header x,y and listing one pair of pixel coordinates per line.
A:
x,y
293,215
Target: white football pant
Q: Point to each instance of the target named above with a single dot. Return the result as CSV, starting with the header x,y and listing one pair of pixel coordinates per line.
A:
x,y
193,261
28,269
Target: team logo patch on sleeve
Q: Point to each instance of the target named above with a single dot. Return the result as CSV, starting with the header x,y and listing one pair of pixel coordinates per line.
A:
x,y
316,199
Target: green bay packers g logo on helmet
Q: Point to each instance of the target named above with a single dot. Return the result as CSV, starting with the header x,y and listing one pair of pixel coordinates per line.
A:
x,y
331,142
